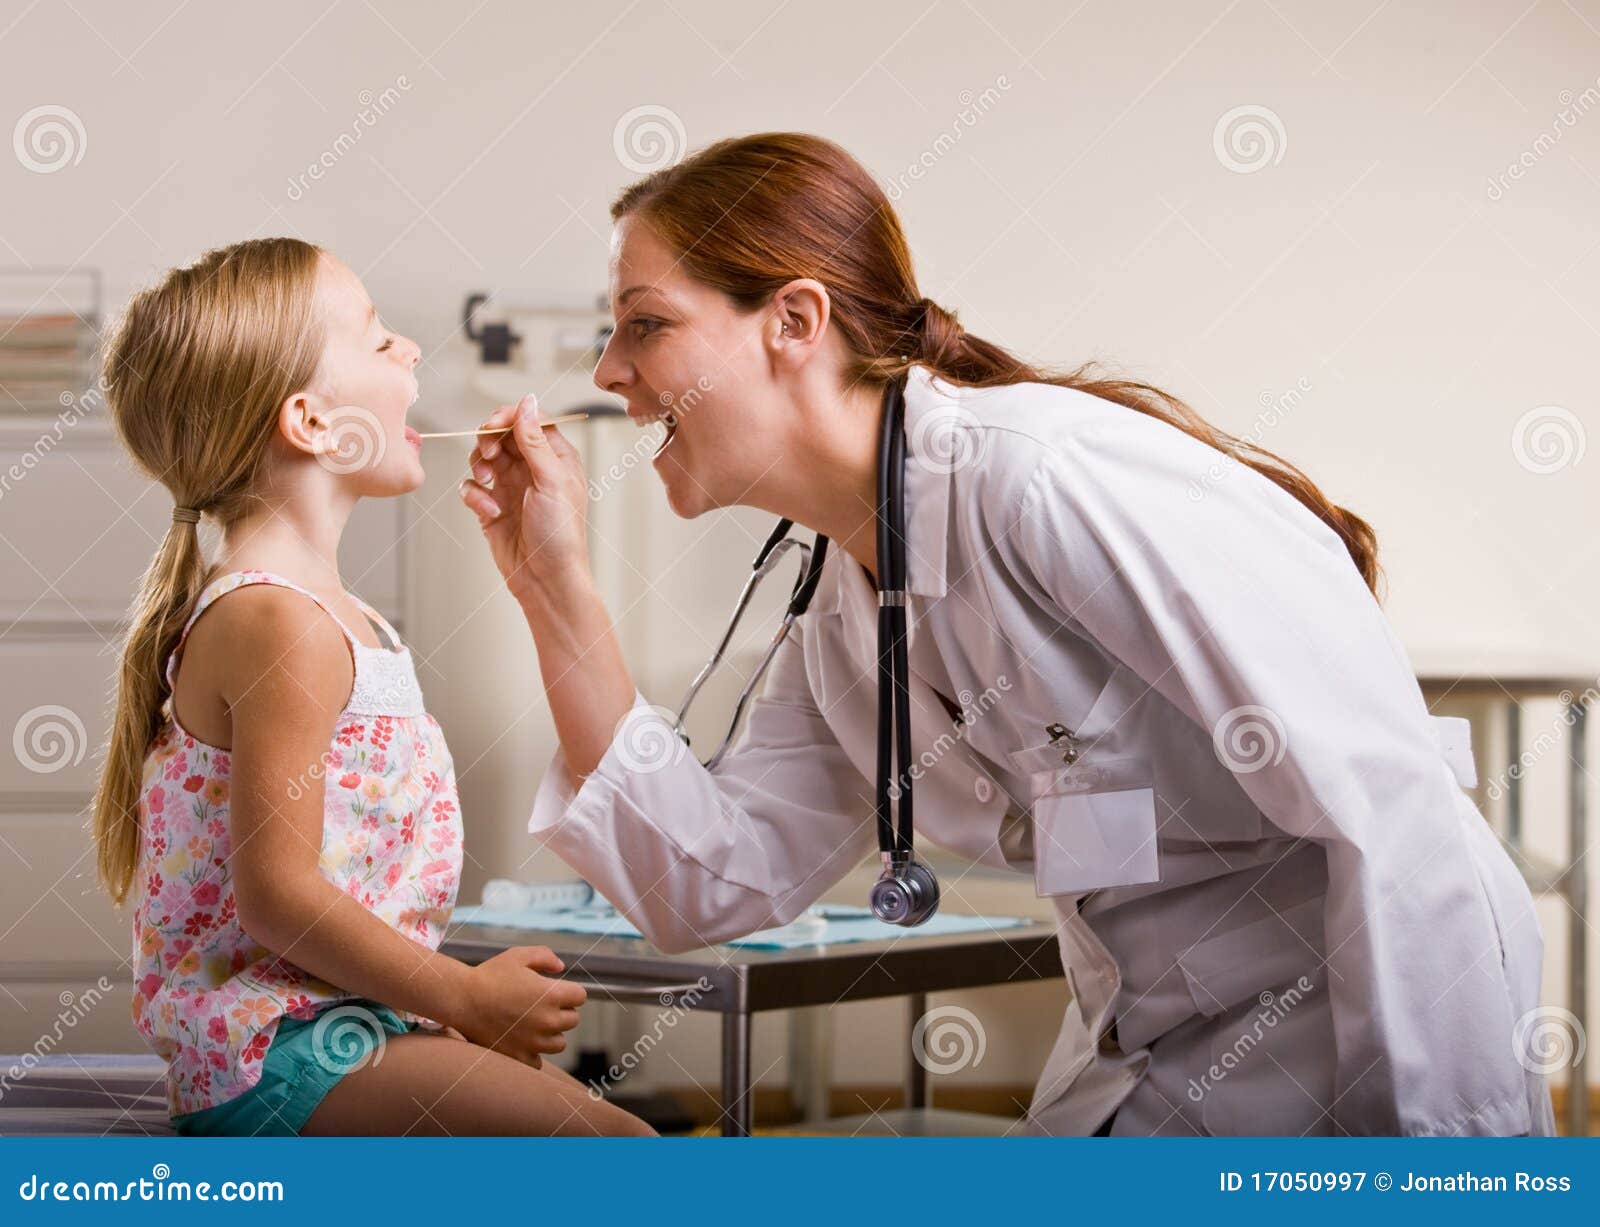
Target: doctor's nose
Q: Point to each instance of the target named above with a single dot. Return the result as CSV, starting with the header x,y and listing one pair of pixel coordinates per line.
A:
x,y
612,373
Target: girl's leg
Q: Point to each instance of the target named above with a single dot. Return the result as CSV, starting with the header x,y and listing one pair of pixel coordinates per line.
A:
x,y
432,1084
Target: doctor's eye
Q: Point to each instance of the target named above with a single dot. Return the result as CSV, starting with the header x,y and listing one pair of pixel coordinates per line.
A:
x,y
644,325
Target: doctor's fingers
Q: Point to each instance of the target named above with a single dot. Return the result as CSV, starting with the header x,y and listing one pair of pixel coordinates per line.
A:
x,y
501,418
480,501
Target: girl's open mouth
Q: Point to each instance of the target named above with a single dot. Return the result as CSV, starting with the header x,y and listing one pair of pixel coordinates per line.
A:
x,y
413,438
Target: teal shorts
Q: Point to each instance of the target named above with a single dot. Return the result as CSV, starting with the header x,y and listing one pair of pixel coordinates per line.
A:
x,y
307,1058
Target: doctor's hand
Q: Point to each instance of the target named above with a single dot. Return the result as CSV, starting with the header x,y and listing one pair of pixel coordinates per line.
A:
x,y
511,1007
530,495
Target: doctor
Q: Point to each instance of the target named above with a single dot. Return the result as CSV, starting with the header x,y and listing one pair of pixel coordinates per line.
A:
x,y
1148,668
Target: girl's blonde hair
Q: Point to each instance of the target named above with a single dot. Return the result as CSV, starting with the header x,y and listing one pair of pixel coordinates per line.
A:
x,y
195,376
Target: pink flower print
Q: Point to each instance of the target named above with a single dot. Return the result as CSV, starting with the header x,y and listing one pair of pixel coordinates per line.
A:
x,y
225,917
442,837
217,1029
442,810
150,985
158,847
373,789
157,799
217,828
393,876
299,1005
197,924
202,1081
216,792
214,1058
335,759
369,822
221,764
193,783
435,868
207,893
152,886
408,827
378,763
349,780
256,1048
350,734
175,952
199,847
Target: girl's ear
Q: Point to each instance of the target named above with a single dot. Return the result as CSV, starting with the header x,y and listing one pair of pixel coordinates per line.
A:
x,y
300,426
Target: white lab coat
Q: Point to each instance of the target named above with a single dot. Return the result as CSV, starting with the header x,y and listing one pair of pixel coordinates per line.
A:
x,y
1294,915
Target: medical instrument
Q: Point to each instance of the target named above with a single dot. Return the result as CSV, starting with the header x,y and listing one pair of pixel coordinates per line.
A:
x,y
500,430
906,892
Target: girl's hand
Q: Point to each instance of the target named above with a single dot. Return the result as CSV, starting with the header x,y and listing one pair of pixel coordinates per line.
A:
x,y
511,1008
530,495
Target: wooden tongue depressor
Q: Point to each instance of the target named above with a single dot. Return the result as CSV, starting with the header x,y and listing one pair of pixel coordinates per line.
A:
x,y
500,430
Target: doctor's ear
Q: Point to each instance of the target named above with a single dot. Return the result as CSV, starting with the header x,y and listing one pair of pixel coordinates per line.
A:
x,y
300,424
801,311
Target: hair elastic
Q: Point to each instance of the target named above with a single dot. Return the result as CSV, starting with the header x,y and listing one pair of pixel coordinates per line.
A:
x,y
185,515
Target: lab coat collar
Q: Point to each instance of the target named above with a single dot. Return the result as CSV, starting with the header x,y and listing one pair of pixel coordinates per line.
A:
x,y
934,452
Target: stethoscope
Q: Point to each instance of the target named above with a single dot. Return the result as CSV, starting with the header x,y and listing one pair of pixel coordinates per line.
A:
x,y
906,892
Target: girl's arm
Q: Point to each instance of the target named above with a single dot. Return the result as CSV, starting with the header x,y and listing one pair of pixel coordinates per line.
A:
x,y
288,677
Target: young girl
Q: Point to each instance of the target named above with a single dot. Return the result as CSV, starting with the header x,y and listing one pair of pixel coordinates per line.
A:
x,y
276,800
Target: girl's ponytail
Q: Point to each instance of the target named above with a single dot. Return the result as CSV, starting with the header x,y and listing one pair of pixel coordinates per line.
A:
x,y
166,598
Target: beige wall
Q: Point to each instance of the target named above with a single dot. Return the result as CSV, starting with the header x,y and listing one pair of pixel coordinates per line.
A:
x,y
1369,304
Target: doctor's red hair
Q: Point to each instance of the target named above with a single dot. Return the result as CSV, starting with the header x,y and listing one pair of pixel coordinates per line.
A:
x,y
750,214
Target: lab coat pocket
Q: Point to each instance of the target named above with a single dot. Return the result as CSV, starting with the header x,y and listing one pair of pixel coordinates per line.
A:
x,y
1094,824
1258,959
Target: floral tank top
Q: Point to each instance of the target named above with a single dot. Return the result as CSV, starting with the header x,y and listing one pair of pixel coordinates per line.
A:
x,y
207,997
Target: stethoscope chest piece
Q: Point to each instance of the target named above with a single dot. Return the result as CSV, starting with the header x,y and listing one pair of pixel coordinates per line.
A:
x,y
905,894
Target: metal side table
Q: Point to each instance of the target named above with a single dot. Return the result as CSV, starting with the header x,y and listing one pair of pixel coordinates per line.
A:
x,y
1568,880
737,981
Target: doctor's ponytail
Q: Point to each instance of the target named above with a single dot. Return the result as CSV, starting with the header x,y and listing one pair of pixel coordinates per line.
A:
x,y
748,215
